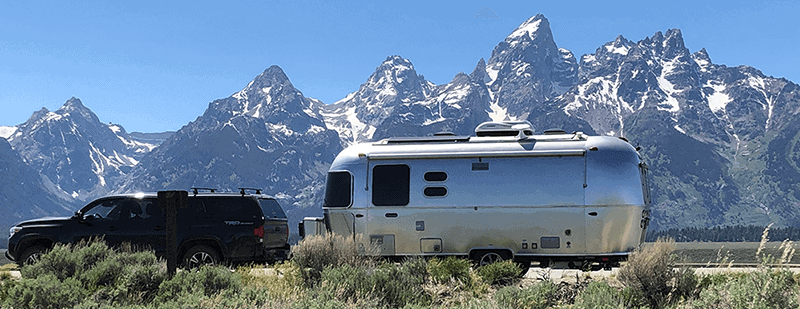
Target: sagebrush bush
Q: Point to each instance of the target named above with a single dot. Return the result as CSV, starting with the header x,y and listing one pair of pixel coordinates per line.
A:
x,y
314,253
205,281
651,270
500,273
765,288
46,291
538,296
393,285
599,295
286,283
450,268
104,276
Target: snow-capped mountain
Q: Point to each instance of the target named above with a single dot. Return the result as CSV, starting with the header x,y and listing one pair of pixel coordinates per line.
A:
x,y
23,194
394,83
527,68
721,142
268,136
80,156
707,131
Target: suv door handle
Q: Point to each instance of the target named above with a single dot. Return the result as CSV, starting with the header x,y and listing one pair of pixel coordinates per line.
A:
x,y
158,228
112,228
391,215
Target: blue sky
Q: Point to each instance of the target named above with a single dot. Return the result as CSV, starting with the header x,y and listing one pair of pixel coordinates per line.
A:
x,y
155,65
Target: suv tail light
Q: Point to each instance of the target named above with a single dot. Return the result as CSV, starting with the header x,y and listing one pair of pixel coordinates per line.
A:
x,y
259,231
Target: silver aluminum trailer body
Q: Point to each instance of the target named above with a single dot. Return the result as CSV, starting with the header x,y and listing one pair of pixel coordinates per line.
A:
x,y
545,198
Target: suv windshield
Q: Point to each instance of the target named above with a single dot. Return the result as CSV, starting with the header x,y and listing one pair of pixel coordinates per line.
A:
x,y
271,208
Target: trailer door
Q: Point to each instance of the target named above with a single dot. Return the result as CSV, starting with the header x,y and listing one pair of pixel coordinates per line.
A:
x,y
389,196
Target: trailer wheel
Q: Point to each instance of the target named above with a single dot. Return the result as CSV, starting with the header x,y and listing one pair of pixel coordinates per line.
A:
x,y
489,258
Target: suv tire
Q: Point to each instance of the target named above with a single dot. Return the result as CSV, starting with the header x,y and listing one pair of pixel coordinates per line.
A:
x,y
32,255
200,255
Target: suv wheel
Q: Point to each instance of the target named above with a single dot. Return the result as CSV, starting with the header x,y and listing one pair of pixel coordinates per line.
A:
x,y
200,255
31,255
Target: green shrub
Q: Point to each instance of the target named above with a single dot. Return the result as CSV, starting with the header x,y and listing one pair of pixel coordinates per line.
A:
x,y
314,253
285,283
538,296
395,286
761,289
599,295
474,304
46,291
205,280
65,260
500,273
451,268
6,283
651,270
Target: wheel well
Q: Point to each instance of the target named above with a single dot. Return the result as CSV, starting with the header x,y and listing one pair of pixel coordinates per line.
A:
x,y
475,254
206,242
44,242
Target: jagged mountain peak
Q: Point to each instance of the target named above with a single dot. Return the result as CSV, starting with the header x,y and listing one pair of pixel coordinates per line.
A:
x,y
393,71
74,106
73,103
272,74
620,45
702,58
479,73
536,27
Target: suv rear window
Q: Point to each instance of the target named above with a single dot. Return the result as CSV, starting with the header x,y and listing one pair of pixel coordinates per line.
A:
x,y
271,208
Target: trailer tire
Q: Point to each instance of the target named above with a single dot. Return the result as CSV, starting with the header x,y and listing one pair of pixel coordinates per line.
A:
x,y
489,257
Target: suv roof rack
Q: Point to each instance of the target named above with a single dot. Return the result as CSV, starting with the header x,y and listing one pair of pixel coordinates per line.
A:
x,y
196,189
242,190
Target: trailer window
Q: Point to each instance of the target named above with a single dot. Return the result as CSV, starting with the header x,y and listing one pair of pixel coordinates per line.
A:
x,y
390,185
435,176
338,189
435,191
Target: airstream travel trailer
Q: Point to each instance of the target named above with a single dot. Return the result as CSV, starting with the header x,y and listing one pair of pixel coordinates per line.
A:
x,y
503,194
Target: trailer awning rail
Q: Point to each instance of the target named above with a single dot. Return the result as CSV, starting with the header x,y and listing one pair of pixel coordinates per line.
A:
x,y
475,154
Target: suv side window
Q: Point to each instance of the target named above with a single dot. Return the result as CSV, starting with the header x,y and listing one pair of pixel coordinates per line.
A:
x,y
225,208
112,209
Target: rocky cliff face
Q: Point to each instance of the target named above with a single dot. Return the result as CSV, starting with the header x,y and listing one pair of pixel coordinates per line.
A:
x,y
23,193
708,131
266,136
81,156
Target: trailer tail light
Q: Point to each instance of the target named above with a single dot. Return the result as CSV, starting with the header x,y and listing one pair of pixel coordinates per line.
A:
x,y
259,231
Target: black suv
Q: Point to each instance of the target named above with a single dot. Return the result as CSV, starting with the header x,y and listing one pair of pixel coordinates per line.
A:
x,y
214,227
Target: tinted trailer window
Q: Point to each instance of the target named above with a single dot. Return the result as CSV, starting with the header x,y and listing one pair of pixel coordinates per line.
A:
x,y
338,189
390,185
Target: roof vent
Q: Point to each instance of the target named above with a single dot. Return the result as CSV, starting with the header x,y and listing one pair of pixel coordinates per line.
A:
x,y
520,129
